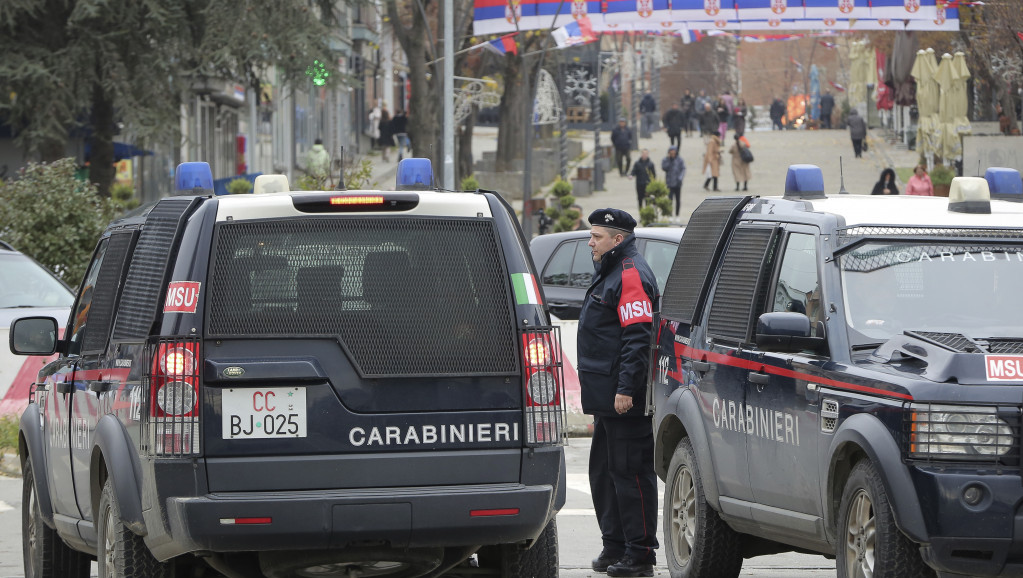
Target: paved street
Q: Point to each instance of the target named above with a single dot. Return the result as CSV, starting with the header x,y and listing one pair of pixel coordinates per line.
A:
x,y
579,537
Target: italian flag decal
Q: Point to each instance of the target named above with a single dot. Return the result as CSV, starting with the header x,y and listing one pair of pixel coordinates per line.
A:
x,y
526,291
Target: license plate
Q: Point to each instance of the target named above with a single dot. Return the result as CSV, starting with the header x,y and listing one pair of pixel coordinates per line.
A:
x,y
260,413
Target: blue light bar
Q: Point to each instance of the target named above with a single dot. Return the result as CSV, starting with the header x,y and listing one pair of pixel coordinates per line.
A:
x,y
1005,184
804,182
414,175
194,178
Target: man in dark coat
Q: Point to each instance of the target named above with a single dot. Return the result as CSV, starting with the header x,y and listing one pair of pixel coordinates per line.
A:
x,y
615,325
777,112
708,120
673,122
648,110
827,106
643,171
621,139
688,109
857,131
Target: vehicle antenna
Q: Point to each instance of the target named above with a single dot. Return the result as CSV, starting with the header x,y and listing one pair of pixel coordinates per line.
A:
x,y
841,177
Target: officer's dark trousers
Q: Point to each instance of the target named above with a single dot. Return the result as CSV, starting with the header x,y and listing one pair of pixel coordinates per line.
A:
x,y
624,486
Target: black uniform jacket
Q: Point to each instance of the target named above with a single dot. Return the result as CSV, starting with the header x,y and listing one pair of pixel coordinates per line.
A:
x,y
614,331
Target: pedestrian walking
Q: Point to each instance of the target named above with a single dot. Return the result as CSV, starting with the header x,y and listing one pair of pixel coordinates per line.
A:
x,y
643,171
386,139
739,117
688,109
827,107
699,106
317,162
740,166
857,131
723,114
374,125
673,122
777,113
648,110
615,325
621,139
399,128
886,184
708,120
674,171
712,160
920,184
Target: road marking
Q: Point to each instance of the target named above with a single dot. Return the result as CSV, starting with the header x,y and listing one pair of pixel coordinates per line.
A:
x,y
4,506
578,482
584,512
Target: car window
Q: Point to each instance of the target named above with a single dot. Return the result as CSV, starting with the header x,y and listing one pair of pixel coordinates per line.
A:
x,y
23,283
85,295
582,265
660,255
798,287
559,268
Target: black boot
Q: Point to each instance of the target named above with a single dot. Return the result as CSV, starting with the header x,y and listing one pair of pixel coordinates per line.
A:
x,y
706,183
629,567
744,187
600,563
737,186
716,189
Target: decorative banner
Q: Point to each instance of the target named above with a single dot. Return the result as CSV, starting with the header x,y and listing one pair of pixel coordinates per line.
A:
x,y
676,16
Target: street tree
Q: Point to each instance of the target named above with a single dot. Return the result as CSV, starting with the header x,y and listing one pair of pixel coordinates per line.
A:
x,y
416,24
994,53
89,67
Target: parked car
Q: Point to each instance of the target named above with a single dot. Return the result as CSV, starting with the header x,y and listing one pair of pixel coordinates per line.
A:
x,y
843,375
566,264
26,288
299,384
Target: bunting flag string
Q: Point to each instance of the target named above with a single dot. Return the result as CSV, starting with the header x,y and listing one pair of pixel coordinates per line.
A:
x,y
503,16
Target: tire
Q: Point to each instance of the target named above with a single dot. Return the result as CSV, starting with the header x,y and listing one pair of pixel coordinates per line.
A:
x,y
512,561
120,552
45,554
697,542
363,562
869,543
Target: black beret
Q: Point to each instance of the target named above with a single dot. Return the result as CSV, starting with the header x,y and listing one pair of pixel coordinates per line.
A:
x,y
613,219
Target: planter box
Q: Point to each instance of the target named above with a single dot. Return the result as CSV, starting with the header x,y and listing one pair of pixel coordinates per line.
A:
x,y
584,173
941,190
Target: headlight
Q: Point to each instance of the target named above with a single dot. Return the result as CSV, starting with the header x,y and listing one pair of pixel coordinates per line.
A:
x,y
958,430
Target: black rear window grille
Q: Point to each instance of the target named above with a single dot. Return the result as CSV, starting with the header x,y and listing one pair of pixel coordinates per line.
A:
x,y
101,310
732,310
148,270
405,296
697,252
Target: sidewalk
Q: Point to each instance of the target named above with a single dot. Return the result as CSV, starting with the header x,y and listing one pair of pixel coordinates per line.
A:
x,y
773,151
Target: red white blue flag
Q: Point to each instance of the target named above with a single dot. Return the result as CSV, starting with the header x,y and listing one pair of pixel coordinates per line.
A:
x,y
503,45
574,33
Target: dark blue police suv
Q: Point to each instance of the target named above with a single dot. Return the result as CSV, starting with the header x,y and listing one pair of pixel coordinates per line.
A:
x,y
357,383
842,375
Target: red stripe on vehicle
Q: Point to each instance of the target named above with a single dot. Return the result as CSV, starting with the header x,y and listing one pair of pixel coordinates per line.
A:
x,y
732,361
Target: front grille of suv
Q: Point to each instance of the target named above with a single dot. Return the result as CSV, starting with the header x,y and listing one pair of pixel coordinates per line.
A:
x,y
414,296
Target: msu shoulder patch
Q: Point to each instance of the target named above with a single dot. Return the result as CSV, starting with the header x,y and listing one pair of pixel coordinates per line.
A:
x,y
634,305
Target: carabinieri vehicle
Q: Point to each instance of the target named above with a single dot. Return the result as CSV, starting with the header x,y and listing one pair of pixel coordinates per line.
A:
x,y
844,375
299,384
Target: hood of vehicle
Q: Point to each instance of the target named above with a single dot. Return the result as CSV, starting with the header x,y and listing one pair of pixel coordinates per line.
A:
x,y
953,357
9,314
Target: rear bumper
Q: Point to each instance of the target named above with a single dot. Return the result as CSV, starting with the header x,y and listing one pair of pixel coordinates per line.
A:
x,y
400,517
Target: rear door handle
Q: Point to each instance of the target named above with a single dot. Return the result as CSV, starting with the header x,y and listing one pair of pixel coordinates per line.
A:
x,y
701,366
100,386
761,378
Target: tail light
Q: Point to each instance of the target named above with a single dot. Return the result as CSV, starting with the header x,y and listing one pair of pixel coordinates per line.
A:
x,y
543,380
171,419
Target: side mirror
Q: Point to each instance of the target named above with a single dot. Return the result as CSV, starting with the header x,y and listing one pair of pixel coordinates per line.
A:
x,y
789,332
34,336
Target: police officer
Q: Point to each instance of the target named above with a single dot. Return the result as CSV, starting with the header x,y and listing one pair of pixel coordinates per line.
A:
x,y
614,340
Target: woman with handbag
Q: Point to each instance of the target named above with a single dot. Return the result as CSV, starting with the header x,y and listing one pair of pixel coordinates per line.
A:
x,y
741,159
712,160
